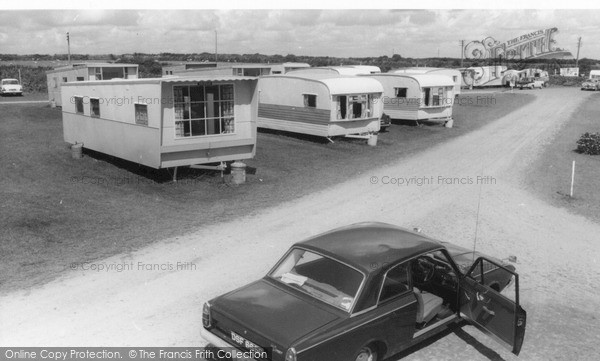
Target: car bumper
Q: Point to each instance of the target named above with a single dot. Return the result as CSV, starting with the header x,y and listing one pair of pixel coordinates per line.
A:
x,y
218,342
12,92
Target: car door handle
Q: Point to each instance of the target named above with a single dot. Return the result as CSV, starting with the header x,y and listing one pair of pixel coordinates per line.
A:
x,y
480,297
490,312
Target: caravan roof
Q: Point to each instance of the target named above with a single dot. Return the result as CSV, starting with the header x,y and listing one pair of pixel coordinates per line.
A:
x,y
413,70
91,65
342,69
422,79
371,69
339,84
170,79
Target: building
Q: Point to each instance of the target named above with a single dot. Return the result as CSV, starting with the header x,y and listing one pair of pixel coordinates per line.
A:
x,y
84,72
164,122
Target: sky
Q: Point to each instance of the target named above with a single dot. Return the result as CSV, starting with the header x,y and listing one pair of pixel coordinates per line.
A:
x,y
343,33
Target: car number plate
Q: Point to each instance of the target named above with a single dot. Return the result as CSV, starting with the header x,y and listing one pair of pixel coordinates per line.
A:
x,y
243,342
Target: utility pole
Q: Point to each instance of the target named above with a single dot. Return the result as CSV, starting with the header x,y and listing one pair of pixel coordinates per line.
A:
x,y
216,52
462,51
69,48
578,46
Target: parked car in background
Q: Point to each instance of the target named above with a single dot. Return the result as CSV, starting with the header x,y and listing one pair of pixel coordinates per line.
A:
x,y
531,83
365,292
591,84
10,87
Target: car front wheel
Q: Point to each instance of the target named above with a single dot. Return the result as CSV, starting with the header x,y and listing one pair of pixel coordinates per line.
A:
x,y
366,354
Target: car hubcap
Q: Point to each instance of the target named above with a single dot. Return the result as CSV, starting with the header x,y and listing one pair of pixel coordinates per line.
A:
x,y
365,355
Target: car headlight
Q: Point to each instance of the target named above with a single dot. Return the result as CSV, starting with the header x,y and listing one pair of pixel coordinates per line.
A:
x,y
290,355
206,316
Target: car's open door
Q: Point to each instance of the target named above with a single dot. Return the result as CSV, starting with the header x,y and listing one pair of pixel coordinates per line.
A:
x,y
489,298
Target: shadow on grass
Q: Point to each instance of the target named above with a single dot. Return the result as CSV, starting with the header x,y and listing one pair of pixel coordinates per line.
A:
x,y
417,123
160,176
299,136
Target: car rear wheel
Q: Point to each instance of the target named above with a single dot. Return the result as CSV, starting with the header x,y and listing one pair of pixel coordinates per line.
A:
x,y
366,354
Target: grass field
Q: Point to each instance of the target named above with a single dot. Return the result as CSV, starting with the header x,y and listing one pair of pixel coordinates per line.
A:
x,y
550,176
56,210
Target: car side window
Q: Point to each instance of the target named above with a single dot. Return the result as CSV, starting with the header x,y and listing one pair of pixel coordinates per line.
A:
x,y
396,282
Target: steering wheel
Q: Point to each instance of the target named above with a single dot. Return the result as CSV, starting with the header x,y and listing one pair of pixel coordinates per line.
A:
x,y
425,270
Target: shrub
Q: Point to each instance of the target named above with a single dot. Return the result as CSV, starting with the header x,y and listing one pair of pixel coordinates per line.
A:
x,y
33,78
589,143
566,80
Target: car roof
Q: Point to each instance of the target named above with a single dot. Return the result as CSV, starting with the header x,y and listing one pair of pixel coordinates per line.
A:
x,y
370,246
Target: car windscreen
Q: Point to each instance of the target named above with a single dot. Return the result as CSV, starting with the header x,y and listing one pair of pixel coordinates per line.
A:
x,y
321,277
10,82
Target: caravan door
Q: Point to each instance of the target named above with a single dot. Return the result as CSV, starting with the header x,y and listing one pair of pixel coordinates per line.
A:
x,y
494,309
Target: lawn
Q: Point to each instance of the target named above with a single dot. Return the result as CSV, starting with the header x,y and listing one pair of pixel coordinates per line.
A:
x,y
550,176
56,210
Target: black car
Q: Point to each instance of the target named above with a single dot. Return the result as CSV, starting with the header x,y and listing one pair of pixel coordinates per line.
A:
x,y
365,292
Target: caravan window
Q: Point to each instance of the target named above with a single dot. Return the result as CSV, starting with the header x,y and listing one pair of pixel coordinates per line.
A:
x,y
113,73
79,105
435,96
353,106
438,98
310,100
203,110
400,92
94,107
426,96
141,114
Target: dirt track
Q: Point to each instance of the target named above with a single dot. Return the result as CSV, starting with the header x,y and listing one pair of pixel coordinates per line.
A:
x,y
557,252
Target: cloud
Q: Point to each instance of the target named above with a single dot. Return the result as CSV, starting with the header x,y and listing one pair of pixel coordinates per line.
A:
x,y
356,33
422,17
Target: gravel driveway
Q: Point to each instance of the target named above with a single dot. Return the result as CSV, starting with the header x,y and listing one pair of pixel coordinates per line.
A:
x,y
557,253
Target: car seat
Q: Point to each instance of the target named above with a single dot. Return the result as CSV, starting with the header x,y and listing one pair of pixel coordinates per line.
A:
x,y
429,305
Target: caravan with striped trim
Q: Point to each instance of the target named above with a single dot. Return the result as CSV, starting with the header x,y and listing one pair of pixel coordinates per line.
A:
x,y
325,105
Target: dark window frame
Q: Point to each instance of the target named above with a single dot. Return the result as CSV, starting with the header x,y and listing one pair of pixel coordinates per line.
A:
x,y
187,104
138,120
401,92
95,107
78,104
409,285
310,100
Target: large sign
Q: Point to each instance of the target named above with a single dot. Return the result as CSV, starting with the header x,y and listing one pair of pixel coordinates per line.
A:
x,y
535,45
569,71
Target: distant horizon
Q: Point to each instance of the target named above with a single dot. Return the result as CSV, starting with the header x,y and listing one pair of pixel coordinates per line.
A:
x,y
104,56
416,34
